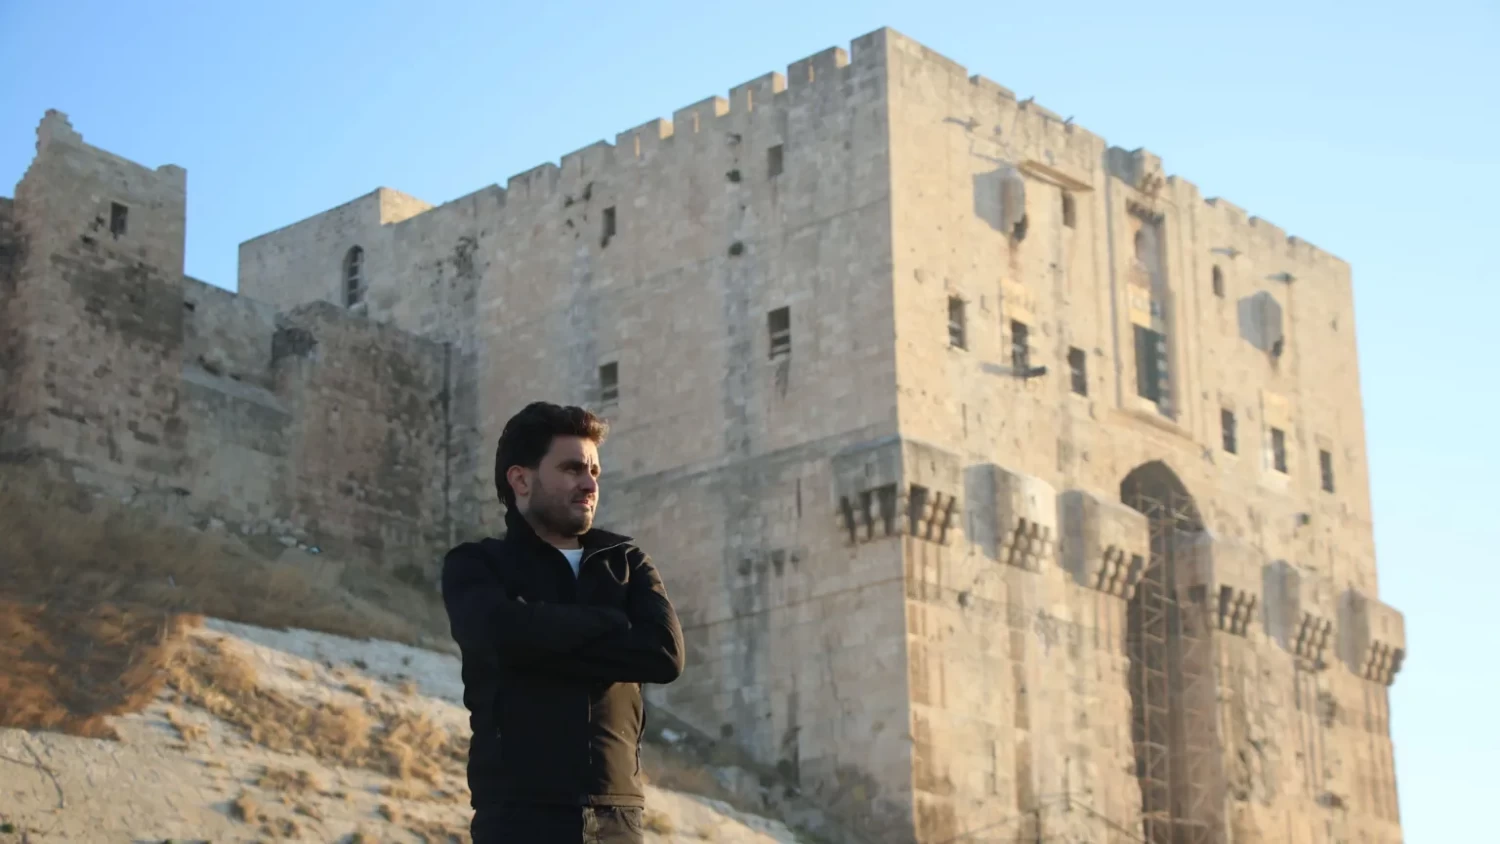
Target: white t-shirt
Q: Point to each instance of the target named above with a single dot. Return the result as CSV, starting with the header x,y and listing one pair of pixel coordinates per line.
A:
x,y
575,557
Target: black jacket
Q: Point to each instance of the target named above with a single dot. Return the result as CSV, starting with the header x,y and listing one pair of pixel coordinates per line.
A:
x,y
552,666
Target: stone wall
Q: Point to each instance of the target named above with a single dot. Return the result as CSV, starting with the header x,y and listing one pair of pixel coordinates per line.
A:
x,y
1026,218
311,426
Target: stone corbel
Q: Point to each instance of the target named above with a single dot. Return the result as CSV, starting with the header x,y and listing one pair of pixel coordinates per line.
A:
x,y
1372,637
1300,611
1025,519
1104,544
1226,574
894,487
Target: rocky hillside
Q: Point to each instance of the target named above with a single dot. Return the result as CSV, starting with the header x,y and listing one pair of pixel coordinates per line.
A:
x,y
254,734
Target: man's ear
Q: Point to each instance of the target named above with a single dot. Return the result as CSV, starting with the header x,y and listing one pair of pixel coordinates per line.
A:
x,y
519,478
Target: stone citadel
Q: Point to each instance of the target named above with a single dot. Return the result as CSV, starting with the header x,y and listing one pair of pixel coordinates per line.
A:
x,y
1008,487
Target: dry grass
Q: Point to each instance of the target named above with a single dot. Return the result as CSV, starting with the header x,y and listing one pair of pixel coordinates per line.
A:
x,y
298,783
58,541
659,822
429,832
189,732
245,809
68,666
405,745
96,594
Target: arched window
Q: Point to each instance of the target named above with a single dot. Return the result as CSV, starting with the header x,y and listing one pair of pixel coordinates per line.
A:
x,y
354,276
1218,281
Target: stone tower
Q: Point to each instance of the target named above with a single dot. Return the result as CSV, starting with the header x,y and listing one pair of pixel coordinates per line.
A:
x,y
1008,487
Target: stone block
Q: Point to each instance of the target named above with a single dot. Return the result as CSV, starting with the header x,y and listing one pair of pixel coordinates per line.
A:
x,y
1227,574
1372,637
1105,544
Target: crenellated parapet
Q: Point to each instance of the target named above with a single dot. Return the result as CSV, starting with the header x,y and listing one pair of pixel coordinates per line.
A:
x,y
897,487
1104,544
1372,637
1227,575
1301,610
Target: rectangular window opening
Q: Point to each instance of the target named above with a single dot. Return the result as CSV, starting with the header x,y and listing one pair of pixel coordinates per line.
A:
x,y
1078,364
1020,348
609,382
1325,466
1151,365
1069,210
1278,450
957,325
779,324
1231,437
609,224
118,215
774,161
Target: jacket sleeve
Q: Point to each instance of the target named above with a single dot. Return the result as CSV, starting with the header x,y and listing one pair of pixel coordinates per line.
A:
x,y
482,615
651,651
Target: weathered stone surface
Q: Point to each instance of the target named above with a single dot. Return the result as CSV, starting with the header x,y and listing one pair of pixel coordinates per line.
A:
x,y
970,283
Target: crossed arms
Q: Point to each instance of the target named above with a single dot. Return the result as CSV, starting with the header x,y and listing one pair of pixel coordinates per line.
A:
x,y
642,644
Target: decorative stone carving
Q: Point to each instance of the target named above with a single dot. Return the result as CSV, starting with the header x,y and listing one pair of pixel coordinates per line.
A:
x,y
1227,574
1104,544
1372,637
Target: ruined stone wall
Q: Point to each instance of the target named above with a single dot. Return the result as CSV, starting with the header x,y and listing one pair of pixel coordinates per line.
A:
x,y
313,426
1026,218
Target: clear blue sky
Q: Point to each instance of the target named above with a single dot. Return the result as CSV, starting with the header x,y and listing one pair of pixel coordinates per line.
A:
x,y
1367,130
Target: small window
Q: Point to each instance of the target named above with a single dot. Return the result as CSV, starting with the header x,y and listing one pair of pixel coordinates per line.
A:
x,y
774,162
1150,364
609,383
1228,431
1218,282
1278,449
1020,348
609,225
1069,210
1078,368
957,327
1325,465
354,276
117,218
779,324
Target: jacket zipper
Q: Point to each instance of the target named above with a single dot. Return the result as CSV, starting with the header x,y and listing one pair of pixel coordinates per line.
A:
x,y
588,704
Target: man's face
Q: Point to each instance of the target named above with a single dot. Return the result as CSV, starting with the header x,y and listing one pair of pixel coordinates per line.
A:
x,y
564,489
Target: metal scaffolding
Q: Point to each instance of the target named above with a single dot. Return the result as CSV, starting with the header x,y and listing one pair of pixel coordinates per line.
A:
x,y
1174,722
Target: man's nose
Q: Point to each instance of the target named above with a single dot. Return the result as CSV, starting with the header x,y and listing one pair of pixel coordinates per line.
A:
x,y
588,484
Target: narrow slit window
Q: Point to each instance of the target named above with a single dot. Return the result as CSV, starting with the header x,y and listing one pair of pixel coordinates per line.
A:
x,y
118,217
957,325
1325,466
779,325
1069,210
609,382
1020,348
354,276
1078,371
1278,450
1227,428
609,225
1218,282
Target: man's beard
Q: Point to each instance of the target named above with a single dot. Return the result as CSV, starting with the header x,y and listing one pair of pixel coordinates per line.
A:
x,y
554,514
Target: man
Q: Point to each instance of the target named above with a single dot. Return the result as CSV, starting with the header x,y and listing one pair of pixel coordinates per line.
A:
x,y
558,624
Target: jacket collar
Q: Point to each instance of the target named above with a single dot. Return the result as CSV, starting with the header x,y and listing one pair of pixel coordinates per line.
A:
x,y
520,534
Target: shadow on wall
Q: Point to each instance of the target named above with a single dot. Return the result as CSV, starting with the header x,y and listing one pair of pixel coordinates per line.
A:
x,y
1260,320
1000,198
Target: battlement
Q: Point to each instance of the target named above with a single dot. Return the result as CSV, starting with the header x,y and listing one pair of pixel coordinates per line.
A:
x,y
821,74
55,133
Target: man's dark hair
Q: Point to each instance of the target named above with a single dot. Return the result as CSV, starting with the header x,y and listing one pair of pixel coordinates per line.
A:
x,y
528,435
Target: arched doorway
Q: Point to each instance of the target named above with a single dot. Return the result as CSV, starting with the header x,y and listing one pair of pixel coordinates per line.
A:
x,y
1173,703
